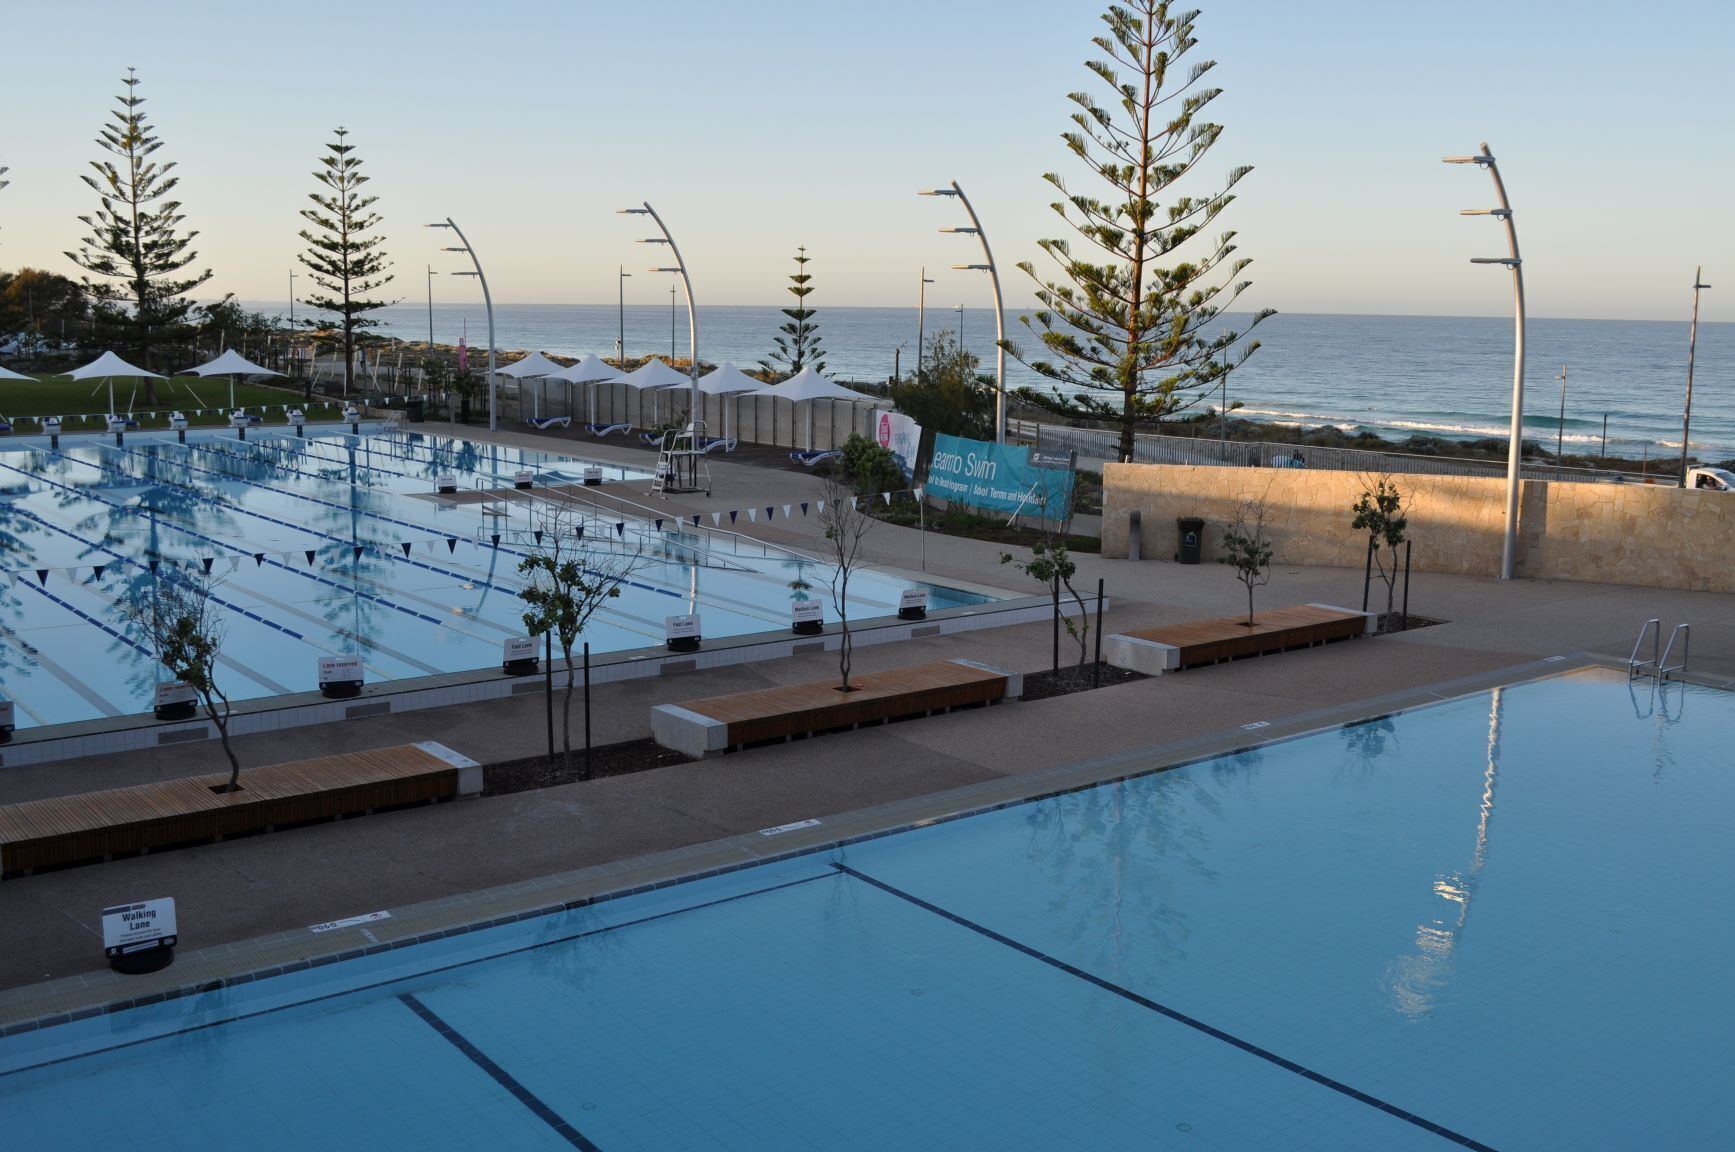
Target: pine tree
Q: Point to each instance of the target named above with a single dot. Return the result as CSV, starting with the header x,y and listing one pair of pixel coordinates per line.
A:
x,y
345,261
798,347
135,236
1145,334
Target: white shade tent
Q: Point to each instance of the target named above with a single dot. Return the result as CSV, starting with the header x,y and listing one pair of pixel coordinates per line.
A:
x,y
535,364
806,386
654,375
590,370
8,374
728,381
231,364
108,366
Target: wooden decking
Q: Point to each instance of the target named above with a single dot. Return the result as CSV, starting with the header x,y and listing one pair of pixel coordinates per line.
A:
x,y
96,825
1273,630
806,709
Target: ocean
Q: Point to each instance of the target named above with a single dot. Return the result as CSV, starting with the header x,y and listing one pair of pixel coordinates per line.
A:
x,y
1394,375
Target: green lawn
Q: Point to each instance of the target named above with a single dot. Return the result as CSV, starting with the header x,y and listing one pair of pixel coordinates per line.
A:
x,y
58,396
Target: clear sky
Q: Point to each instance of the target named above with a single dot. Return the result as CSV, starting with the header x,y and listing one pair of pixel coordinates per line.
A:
x,y
756,126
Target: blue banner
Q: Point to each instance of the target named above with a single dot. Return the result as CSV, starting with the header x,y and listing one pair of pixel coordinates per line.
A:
x,y
1000,478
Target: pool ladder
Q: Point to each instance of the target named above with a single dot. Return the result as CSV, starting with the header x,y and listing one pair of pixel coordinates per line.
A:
x,y
1659,664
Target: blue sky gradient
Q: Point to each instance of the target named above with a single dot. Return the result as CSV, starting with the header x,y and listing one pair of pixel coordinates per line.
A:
x,y
755,127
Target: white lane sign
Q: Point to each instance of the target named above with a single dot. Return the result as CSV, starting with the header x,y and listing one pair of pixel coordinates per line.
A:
x,y
129,928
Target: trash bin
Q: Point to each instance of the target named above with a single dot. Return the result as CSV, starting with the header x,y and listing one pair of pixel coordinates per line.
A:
x,y
415,410
1192,537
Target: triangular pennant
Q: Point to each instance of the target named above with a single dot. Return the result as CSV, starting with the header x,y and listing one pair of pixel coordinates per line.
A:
x,y
451,544
716,518
358,551
917,492
853,500
620,528
538,535
96,572
258,559
786,511
496,539
819,507
697,516
752,515
42,576
770,513
153,566
580,532
886,496
207,562
309,555
804,507
659,523
732,515
405,545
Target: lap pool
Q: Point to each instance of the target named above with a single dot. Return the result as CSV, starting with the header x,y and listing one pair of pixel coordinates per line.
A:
x,y
335,545
1495,922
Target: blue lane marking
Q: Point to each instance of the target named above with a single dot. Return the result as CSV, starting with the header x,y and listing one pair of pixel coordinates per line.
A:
x,y
89,619
442,969
170,525
498,1074
1179,1017
191,467
122,559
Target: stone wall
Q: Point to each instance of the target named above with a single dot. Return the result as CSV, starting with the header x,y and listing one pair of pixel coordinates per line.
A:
x,y
1645,534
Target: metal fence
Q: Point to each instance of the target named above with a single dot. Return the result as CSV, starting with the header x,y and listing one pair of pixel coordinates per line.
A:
x,y
1098,444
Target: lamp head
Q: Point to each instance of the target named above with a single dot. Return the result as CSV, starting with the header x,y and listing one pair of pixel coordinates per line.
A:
x,y
677,268
966,231
938,192
1509,261
1502,213
440,225
632,212
971,268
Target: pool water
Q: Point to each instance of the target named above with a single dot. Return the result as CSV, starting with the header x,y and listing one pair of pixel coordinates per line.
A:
x,y
333,545
1497,922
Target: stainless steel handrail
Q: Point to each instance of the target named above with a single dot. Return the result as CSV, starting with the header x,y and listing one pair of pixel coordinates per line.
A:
x,y
1653,627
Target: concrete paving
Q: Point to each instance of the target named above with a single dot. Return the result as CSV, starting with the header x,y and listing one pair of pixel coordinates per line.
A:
x,y
233,891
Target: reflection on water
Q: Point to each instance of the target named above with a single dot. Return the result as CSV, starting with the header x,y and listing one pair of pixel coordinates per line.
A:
x,y
1413,984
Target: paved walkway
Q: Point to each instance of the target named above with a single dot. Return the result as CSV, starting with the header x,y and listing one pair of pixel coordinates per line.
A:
x,y
241,889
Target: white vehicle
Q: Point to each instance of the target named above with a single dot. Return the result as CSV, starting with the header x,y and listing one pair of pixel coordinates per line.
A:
x,y
1714,479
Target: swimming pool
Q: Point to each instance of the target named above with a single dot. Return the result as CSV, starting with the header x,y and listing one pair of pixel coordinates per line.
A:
x,y
1496,922
335,545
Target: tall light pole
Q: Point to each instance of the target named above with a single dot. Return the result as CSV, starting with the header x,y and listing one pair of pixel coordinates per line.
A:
x,y
1692,343
291,357
672,314
959,309
921,320
1515,447
621,278
488,302
975,229
431,275
680,266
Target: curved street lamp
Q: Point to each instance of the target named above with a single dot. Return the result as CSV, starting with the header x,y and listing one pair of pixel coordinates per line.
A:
x,y
1515,448
488,302
693,409
975,229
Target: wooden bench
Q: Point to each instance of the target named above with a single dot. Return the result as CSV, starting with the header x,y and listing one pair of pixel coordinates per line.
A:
x,y
94,826
712,726
1154,651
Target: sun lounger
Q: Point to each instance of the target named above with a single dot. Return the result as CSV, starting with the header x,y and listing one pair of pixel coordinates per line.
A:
x,y
544,423
5,428
604,429
712,443
815,456
652,438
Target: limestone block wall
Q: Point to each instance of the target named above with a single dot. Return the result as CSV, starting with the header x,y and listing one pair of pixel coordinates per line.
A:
x,y
1643,534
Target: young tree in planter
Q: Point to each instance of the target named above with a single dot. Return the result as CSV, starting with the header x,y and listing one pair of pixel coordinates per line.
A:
x,y
567,582
1379,512
1051,565
180,621
798,346
1135,342
1247,550
135,246
467,387
845,522
345,261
